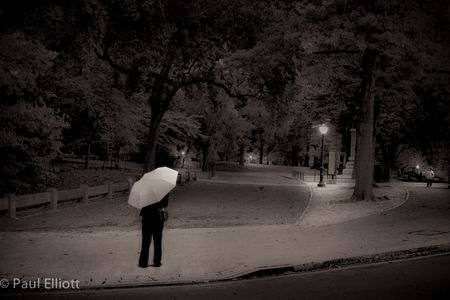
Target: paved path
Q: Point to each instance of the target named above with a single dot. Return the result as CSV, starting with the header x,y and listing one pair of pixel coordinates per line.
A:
x,y
416,217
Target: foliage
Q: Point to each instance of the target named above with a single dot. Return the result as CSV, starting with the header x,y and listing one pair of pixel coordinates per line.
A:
x,y
30,130
216,76
198,43
387,29
99,112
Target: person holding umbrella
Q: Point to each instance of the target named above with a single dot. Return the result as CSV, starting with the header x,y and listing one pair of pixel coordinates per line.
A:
x,y
152,224
151,195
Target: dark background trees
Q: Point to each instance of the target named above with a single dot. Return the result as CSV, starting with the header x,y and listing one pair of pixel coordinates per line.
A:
x,y
30,128
207,76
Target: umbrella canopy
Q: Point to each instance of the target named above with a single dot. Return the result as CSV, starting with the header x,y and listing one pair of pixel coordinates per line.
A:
x,y
152,187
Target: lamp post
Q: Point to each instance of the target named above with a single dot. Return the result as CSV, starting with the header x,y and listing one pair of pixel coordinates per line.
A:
x,y
182,159
323,130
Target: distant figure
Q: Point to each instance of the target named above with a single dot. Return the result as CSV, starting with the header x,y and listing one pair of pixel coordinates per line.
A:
x,y
429,176
152,225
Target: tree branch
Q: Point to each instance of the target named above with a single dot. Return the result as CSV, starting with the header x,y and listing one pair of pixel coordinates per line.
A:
x,y
219,85
131,72
338,51
112,63
443,72
396,155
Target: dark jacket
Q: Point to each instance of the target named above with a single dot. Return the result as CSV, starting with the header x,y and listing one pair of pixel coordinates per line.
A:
x,y
152,211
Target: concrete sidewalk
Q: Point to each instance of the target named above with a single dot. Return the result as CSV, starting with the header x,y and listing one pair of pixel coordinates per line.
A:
x,y
110,259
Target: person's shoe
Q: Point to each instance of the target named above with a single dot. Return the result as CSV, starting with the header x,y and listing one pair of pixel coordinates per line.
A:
x,y
156,265
143,266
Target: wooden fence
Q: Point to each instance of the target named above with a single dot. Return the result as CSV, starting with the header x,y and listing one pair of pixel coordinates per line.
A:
x,y
11,202
298,175
186,177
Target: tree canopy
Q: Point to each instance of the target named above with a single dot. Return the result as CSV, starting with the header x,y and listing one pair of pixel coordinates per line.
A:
x,y
229,75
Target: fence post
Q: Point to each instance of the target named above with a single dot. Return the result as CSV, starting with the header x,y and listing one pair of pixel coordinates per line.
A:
x,y
11,213
110,189
54,196
130,185
85,194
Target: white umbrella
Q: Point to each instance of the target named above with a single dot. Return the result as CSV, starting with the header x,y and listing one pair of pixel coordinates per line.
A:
x,y
152,187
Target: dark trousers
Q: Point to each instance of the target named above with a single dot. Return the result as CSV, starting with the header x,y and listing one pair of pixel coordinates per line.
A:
x,y
429,182
151,227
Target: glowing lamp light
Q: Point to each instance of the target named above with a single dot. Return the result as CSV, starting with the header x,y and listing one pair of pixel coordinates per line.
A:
x,y
323,129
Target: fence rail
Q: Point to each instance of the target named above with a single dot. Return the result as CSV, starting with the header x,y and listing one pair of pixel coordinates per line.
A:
x,y
11,202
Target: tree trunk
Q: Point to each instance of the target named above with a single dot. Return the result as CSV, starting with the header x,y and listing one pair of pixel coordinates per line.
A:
x,y
364,152
261,152
160,99
205,158
117,157
358,139
390,156
152,140
241,154
207,153
295,150
88,157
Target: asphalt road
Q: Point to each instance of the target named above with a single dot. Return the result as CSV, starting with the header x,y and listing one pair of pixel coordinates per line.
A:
x,y
423,278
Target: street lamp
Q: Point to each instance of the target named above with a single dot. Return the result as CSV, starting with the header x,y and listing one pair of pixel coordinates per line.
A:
x,y
182,157
323,130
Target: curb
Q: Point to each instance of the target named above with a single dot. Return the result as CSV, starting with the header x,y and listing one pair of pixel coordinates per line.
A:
x,y
401,203
375,258
345,262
